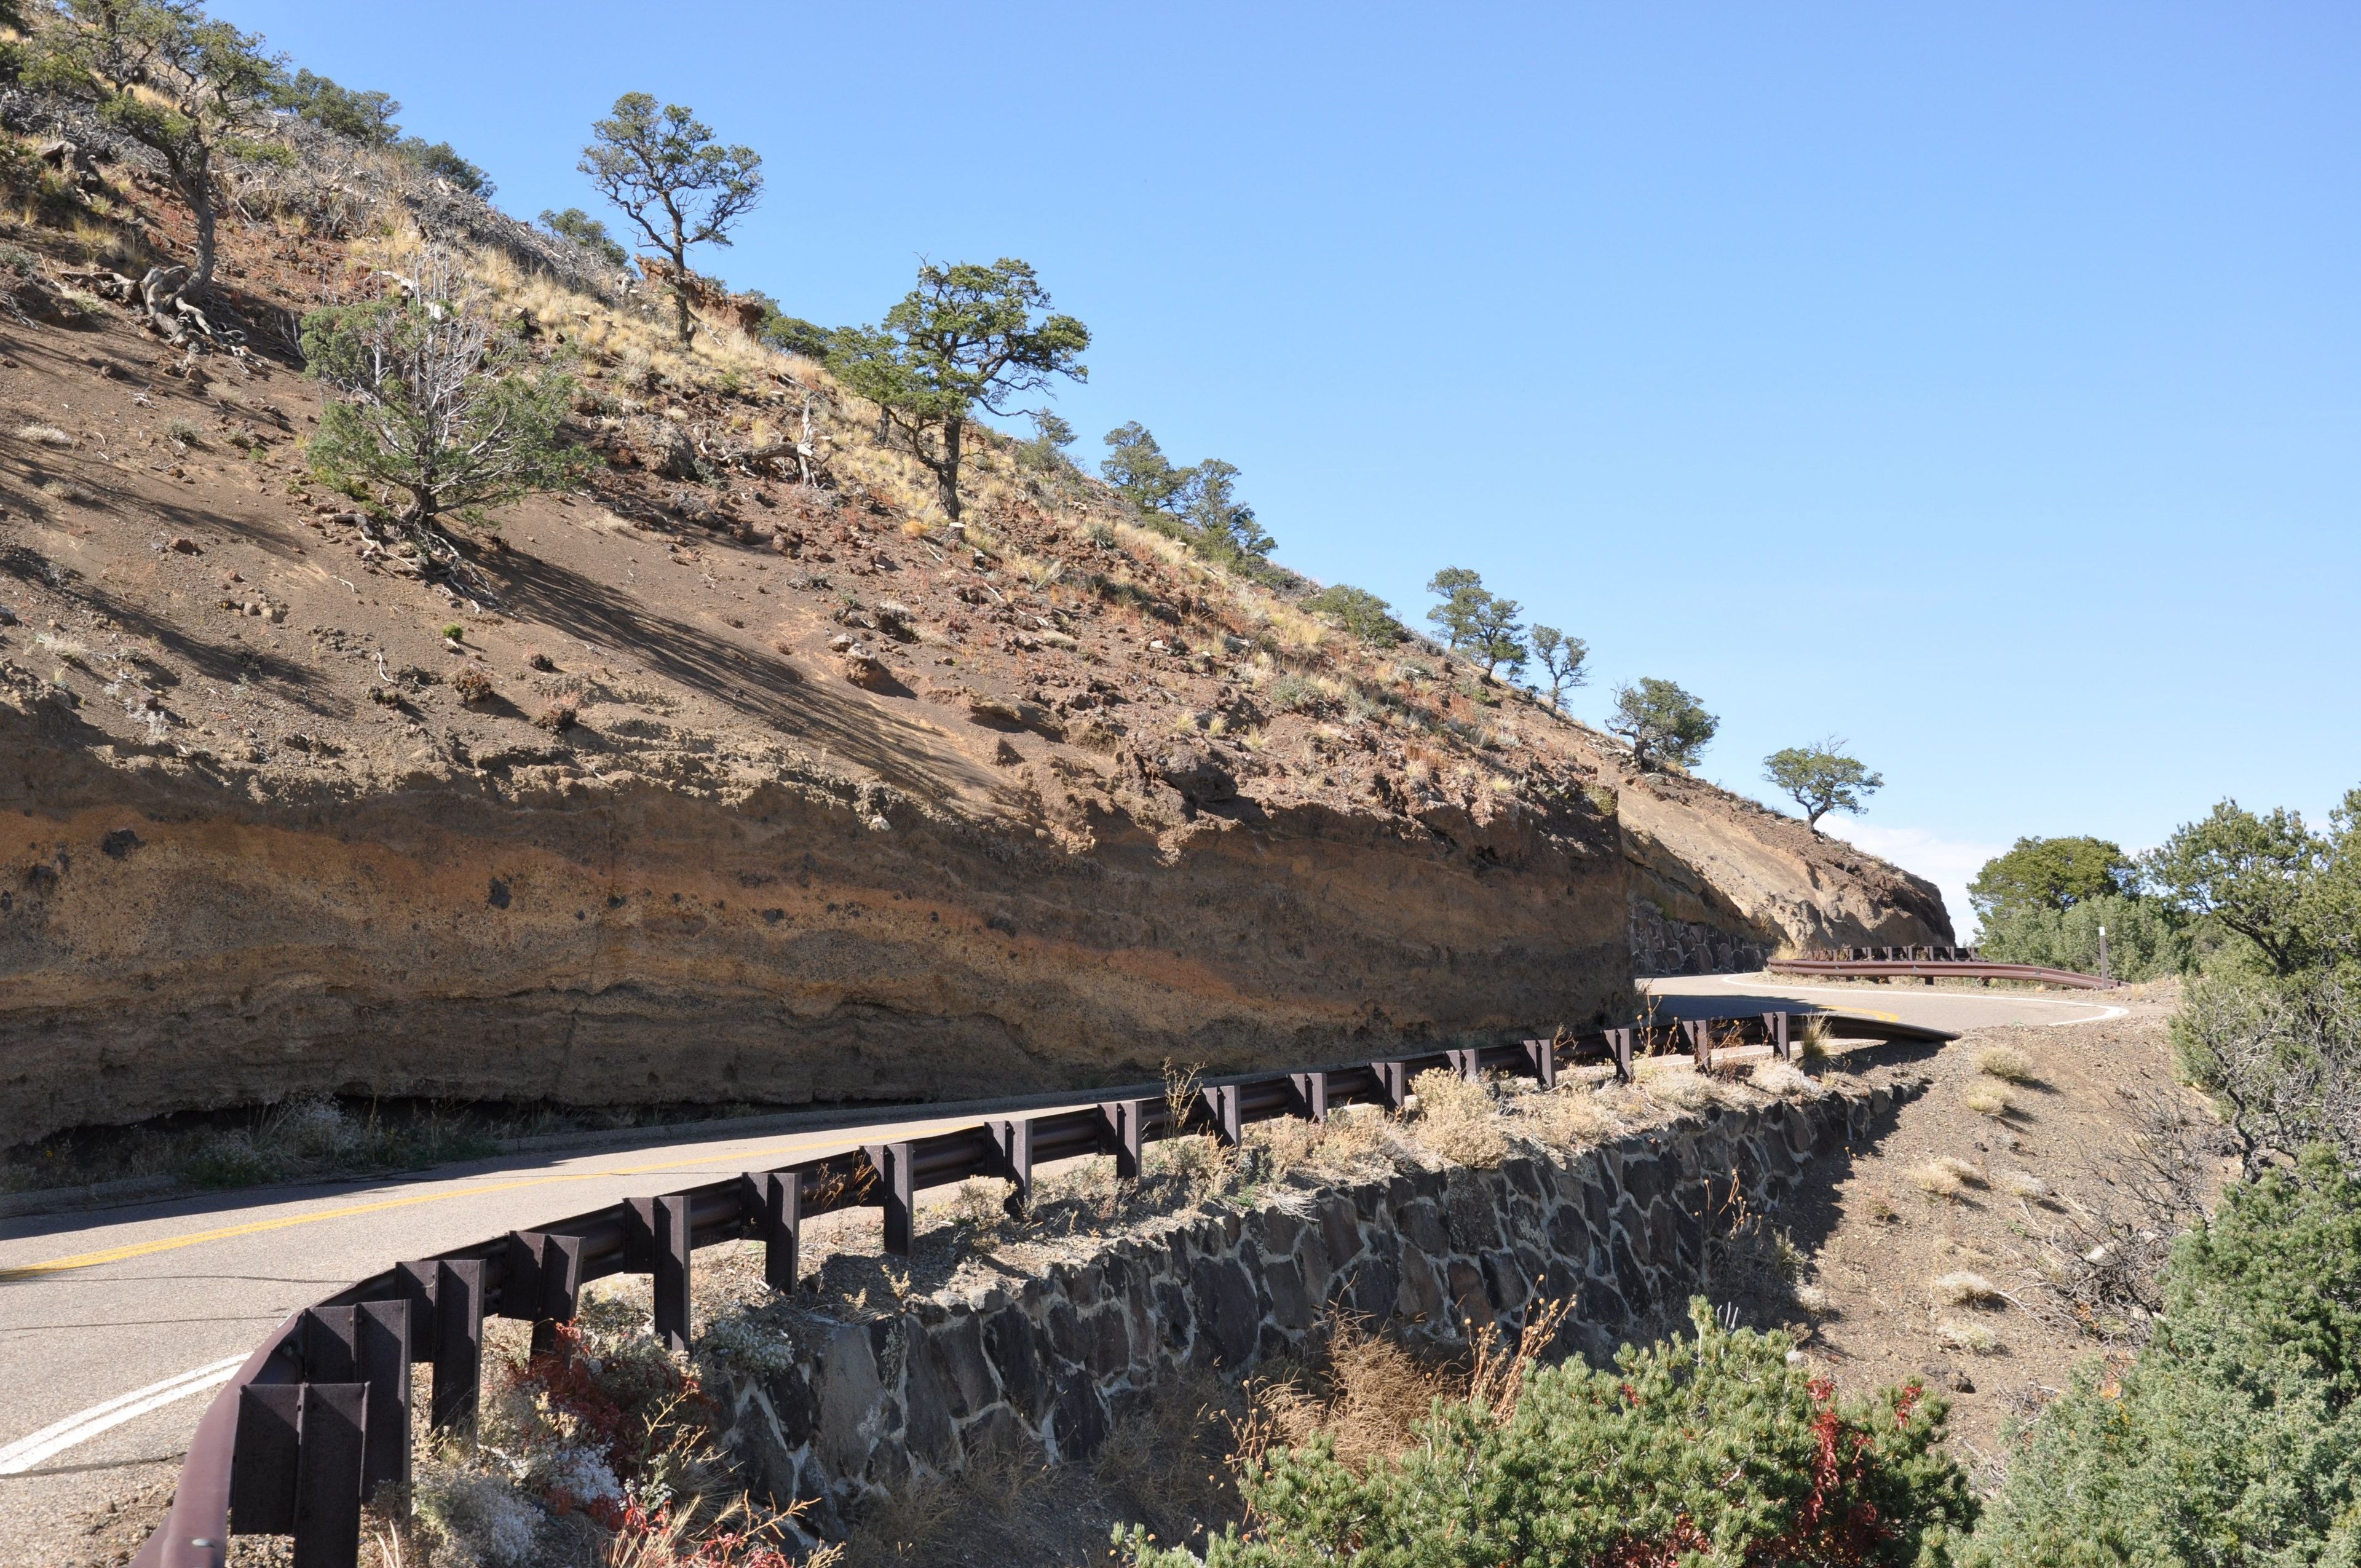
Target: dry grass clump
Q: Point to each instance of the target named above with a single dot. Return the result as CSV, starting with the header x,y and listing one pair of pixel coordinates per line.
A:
x,y
1785,1081
643,344
2006,1063
1367,1395
1988,1100
1946,1177
1673,1081
1973,1337
1354,1140
1457,1119
1812,1044
1964,1288
2023,1184
1565,1117
43,435
1969,1174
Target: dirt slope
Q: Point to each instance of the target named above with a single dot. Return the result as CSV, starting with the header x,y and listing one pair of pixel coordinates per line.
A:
x,y
785,788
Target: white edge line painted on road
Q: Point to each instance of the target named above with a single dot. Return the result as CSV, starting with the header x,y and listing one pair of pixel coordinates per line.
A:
x,y
2106,1011
55,1439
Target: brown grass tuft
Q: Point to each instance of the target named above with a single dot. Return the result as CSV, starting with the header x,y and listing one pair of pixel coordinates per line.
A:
x,y
1457,1119
2006,1063
1963,1287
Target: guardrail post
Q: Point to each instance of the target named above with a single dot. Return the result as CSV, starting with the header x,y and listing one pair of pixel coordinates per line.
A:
x,y
263,1459
521,1278
1465,1063
1774,1025
381,1350
1700,1034
1015,1138
541,1283
325,1341
300,1466
896,1194
656,1239
1393,1082
1619,1044
458,1340
1220,1101
414,1283
1541,1057
329,1461
779,1223
1310,1093
1125,1125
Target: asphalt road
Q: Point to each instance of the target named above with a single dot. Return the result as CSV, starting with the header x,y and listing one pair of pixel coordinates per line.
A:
x,y
117,1324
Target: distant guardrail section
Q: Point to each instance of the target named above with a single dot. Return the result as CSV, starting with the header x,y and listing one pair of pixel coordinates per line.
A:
x,y
1931,964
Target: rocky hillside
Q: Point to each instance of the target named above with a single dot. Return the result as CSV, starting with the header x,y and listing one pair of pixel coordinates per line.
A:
x,y
766,784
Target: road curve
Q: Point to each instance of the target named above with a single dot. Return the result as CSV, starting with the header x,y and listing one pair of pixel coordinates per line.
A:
x,y
117,1324
1704,995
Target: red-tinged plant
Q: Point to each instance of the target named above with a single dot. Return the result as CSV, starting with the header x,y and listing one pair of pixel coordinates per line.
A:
x,y
1704,1451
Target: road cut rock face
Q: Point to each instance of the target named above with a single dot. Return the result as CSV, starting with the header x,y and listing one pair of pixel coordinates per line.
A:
x,y
177,936
1056,1363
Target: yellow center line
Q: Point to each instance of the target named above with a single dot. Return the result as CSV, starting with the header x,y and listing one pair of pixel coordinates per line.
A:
x,y
285,1222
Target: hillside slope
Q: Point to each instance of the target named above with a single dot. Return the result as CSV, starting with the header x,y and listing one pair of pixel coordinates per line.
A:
x,y
786,788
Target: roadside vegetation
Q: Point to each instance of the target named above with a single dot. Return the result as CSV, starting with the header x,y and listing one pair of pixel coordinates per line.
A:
x,y
2219,1426
2235,893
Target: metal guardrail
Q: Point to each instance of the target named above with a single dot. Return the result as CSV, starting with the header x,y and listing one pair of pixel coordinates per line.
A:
x,y
319,1416
1931,964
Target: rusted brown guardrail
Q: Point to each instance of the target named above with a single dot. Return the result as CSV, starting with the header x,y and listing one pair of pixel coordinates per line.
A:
x,y
319,1416
1931,964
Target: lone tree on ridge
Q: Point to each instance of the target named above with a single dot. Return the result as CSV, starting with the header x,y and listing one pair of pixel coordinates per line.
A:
x,y
1475,621
1561,658
1662,721
966,337
664,168
1822,778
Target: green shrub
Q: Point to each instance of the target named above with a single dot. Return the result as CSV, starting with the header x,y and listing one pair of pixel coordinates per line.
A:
x,y
2233,1440
1710,1449
2144,939
1358,611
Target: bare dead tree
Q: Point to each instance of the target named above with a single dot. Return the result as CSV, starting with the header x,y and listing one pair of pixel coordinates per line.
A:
x,y
2284,1059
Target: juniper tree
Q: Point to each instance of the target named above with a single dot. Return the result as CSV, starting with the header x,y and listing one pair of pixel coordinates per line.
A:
x,y
189,88
587,232
1135,465
2254,874
1046,453
967,337
436,404
1480,623
1221,525
664,171
1358,611
1821,778
2052,874
1661,722
1561,657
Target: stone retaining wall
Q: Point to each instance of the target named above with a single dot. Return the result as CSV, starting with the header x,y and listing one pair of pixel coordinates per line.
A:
x,y
1619,1228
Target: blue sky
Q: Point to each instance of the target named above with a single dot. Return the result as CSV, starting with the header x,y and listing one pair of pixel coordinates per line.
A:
x,y
1979,383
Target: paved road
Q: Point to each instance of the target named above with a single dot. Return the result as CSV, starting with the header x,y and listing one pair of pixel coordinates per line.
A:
x,y
117,1324
1939,1007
